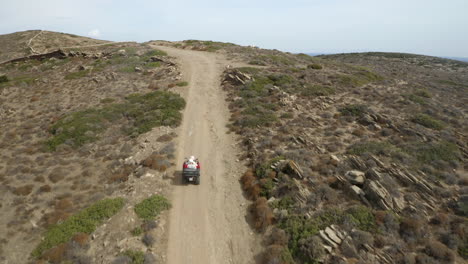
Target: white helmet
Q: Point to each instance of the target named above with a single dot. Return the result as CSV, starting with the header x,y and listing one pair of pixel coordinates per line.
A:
x,y
192,158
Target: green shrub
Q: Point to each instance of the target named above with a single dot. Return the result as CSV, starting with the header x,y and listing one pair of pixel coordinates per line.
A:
x,y
317,90
315,66
181,84
76,75
261,170
145,111
360,77
137,231
155,52
373,147
151,207
85,221
287,115
107,100
353,110
267,186
428,121
3,79
250,70
429,152
286,202
154,64
423,93
299,228
362,217
257,62
417,99
137,256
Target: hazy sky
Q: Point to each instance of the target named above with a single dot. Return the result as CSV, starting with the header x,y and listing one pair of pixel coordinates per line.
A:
x,y
432,27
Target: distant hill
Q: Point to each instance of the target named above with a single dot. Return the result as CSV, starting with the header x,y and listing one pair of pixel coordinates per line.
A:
x,y
450,58
30,42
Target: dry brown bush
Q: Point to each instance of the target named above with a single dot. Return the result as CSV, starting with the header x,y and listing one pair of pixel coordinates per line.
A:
x,y
171,85
121,175
439,251
410,228
156,162
278,237
250,185
56,175
54,217
262,213
23,190
39,178
164,138
440,219
247,180
56,254
45,188
81,238
64,204
273,255
359,132
153,86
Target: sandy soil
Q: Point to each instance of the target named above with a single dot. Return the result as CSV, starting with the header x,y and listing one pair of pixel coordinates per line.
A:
x,y
207,223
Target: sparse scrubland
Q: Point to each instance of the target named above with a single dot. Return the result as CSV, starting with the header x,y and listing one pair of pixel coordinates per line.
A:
x,y
355,158
71,124
352,158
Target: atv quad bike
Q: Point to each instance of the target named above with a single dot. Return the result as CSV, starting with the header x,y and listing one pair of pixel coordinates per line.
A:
x,y
191,171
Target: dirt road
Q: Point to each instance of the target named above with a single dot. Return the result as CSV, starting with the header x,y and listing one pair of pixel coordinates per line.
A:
x,y
207,222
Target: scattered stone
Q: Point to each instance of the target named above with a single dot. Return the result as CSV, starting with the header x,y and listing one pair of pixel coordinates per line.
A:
x,y
334,160
272,199
377,193
138,69
332,235
356,177
327,240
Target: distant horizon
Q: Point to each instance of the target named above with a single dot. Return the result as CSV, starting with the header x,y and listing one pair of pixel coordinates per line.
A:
x,y
460,58
431,27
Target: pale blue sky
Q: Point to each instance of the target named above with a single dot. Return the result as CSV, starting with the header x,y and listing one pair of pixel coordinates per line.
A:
x,y
432,27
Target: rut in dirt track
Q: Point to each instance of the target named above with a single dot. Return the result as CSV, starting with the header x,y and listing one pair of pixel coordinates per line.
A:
x,y
207,222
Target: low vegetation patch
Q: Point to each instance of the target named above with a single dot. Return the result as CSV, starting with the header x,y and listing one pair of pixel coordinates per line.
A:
x,y
3,79
373,147
145,111
76,75
300,228
151,207
315,66
353,110
137,231
181,84
136,256
360,77
85,221
317,90
430,152
417,99
249,70
428,121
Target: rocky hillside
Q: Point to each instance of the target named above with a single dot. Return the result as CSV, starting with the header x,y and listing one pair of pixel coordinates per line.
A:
x,y
75,150
20,44
355,158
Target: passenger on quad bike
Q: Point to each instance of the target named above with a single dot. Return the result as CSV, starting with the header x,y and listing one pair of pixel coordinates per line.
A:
x,y
191,170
